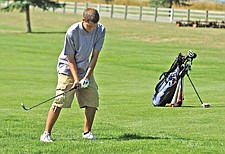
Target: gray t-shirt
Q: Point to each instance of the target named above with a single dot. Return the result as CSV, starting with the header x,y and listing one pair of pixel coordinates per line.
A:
x,y
80,43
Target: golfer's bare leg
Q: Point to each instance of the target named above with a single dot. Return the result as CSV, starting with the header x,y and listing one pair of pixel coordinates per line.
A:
x,y
89,118
53,115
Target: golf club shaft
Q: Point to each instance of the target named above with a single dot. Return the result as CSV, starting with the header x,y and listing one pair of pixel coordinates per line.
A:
x,y
194,88
48,99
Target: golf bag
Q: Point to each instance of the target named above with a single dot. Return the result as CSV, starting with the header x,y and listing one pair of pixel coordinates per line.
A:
x,y
169,89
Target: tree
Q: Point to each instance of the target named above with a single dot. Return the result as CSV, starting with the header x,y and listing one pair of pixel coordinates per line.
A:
x,y
107,1
168,3
24,6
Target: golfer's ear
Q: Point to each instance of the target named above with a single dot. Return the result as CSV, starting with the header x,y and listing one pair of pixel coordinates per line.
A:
x,y
82,18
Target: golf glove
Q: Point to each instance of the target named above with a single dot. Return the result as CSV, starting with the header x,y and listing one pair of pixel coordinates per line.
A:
x,y
84,83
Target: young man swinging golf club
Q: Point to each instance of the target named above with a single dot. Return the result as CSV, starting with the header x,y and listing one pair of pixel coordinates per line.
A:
x,y
75,70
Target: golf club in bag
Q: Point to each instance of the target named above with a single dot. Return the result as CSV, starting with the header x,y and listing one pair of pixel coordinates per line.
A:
x,y
169,89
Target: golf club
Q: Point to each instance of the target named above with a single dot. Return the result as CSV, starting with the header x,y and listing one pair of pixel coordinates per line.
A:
x,y
25,108
204,105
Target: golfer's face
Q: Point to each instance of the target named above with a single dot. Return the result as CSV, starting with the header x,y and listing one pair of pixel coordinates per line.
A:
x,y
89,26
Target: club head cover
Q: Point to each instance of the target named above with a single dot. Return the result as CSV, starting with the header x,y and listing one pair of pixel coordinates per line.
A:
x,y
204,105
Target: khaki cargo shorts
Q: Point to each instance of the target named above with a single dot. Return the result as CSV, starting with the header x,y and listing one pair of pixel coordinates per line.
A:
x,y
86,97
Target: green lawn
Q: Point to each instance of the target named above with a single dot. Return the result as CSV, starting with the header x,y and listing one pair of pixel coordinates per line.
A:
x,y
134,56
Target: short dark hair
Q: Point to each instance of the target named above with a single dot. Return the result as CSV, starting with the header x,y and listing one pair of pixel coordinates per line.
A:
x,y
91,14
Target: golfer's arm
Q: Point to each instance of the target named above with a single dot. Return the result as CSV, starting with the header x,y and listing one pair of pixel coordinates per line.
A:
x,y
73,67
93,62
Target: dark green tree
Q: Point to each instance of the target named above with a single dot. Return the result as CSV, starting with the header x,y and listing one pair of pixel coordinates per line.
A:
x,y
24,6
107,1
168,3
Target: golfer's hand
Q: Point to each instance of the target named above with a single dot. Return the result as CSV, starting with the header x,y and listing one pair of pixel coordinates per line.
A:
x,y
76,85
84,83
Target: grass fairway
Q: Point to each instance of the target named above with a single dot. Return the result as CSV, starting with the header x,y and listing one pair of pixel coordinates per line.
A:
x,y
134,56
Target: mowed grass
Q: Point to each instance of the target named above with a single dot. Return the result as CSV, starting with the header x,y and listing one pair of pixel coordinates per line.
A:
x,y
134,56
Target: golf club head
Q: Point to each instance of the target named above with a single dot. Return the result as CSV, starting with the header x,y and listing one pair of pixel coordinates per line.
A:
x,y
204,105
23,106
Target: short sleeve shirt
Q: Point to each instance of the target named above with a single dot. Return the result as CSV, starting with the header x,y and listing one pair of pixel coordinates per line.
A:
x,y
80,43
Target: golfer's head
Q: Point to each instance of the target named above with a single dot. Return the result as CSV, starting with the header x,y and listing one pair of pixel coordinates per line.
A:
x,y
90,19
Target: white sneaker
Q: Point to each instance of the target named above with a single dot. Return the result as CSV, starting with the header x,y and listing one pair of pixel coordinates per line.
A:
x,y
45,137
89,136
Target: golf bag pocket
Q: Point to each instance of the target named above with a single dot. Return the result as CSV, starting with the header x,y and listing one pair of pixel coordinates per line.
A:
x,y
164,90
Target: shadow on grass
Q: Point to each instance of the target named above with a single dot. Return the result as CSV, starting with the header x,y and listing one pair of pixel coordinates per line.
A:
x,y
193,106
48,33
23,32
185,106
138,137
131,136
188,106
211,106
125,137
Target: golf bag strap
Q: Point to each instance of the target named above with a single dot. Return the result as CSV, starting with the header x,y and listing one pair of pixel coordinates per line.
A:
x,y
172,68
163,74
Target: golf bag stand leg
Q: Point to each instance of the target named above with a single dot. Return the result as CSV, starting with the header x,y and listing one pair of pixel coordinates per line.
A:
x,y
194,88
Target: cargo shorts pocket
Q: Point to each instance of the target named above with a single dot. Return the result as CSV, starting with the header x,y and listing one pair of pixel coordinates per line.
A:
x,y
64,83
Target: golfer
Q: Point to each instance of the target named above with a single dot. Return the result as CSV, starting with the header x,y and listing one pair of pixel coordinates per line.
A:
x,y
75,70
